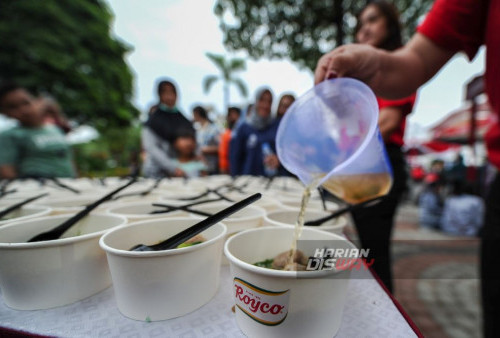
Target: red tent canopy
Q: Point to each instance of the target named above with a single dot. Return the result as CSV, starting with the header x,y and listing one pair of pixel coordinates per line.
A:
x,y
433,146
456,128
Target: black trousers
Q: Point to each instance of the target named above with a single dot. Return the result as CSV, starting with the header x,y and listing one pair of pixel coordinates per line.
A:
x,y
374,224
490,263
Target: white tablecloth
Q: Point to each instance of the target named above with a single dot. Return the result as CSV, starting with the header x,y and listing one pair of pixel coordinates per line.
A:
x,y
369,312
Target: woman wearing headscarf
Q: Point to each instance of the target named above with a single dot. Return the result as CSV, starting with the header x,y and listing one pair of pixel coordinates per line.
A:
x,y
285,102
160,131
252,148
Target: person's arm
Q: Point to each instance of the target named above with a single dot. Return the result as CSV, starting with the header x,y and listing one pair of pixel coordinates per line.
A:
x,y
8,172
210,150
212,147
159,155
9,156
390,74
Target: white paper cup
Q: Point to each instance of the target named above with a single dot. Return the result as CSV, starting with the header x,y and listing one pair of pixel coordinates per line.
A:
x,y
151,197
179,193
24,213
135,212
71,205
272,303
47,274
265,202
247,218
288,219
159,285
316,205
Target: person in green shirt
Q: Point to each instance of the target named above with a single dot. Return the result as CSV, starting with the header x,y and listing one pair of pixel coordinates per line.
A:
x,y
32,149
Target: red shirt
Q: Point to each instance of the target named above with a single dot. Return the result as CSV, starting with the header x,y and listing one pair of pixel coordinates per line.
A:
x,y
224,151
465,25
406,106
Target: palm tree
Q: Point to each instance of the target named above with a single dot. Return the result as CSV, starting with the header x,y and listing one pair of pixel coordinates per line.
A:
x,y
227,69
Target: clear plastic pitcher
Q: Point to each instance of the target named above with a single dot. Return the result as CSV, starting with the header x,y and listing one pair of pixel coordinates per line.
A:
x,y
330,137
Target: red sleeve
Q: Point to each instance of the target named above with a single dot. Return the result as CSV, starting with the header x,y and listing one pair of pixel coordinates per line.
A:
x,y
457,25
406,104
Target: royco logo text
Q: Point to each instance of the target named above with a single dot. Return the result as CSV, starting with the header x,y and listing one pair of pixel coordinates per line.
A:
x,y
264,306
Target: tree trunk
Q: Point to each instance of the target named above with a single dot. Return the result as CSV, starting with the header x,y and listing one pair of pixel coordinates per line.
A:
x,y
338,19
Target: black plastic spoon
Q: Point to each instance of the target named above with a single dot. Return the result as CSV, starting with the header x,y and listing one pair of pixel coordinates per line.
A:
x,y
352,207
7,192
142,193
186,208
16,206
56,232
64,186
194,230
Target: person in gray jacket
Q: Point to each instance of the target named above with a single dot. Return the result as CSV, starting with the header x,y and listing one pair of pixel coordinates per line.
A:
x,y
164,124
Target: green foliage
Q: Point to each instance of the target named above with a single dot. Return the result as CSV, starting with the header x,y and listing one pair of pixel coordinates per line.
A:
x,y
112,154
301,30
227,68
65,48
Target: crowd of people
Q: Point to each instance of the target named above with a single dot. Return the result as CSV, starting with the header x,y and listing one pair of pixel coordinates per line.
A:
x,y
176,146
172,145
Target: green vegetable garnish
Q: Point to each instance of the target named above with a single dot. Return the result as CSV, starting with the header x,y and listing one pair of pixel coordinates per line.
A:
x,y
6,218
185,245
268,263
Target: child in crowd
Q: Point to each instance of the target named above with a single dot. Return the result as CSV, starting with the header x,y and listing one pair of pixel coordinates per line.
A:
x,y
187,159
430,206
53,113
33,148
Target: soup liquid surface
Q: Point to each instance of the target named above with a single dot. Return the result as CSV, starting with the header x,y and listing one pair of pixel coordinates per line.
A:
x,y
355,189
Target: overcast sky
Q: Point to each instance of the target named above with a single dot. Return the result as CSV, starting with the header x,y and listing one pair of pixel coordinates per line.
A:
x,y
170,38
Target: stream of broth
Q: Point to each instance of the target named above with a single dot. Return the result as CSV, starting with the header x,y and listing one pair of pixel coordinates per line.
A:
x,y
351,188
300,220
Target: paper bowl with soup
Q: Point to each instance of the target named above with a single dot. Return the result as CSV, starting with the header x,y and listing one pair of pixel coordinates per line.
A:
x,y
41,275
288,219
71,204
159,285
249,217
278,303
140,211
23,213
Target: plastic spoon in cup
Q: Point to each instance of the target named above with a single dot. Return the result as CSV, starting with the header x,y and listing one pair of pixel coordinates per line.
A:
x,y
7,192
142,193
16,206
56,232
64,186
319,221
194,230
185,207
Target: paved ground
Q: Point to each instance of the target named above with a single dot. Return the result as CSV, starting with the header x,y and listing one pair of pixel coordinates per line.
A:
x,y
436,278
